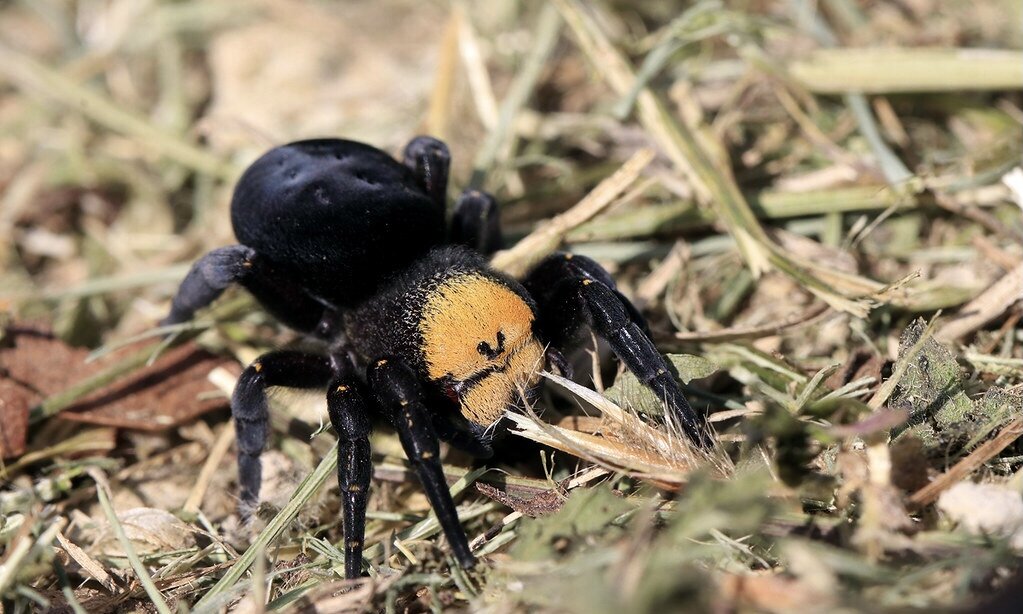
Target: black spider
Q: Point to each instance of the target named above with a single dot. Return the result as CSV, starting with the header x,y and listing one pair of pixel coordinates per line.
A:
x,y
340,241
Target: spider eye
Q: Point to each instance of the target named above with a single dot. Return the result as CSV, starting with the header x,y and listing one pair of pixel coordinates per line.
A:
x,y
483,348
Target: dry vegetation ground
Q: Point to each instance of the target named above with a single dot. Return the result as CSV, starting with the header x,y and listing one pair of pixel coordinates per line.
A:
x,y
819,212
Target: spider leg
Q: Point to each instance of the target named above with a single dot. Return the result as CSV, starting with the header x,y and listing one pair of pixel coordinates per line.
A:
x,y
207,280
476,222
566,287
545,278
400,396
251,415
238,264
348,414
429,159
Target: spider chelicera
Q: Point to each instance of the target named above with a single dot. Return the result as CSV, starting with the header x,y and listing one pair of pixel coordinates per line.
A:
x,y
340,241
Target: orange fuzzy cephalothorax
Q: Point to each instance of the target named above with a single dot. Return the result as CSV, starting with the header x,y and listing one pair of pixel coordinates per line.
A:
x,y
476,329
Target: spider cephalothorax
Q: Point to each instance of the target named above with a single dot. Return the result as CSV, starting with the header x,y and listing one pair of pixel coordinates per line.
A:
x,y
467,331
340,241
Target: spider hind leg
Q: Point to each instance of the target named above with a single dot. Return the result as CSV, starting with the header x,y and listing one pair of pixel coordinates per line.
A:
x,y
275,289
476,222
430,161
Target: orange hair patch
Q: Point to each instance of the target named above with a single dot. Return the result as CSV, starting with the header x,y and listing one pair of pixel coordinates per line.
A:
x,y
471,311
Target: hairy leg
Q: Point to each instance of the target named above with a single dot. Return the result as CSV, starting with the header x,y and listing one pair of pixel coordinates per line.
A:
x,y
570,290
349,416
400,396
476,222
251,413
238,264
429,159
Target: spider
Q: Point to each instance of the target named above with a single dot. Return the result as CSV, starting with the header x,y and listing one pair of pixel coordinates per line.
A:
x,y
340,241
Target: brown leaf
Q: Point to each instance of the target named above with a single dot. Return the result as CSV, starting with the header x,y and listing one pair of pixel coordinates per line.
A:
x,y
172,391
36,364
37,361
33,365
543,504
14,402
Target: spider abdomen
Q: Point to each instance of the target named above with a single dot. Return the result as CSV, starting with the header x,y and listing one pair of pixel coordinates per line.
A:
x,y
320,209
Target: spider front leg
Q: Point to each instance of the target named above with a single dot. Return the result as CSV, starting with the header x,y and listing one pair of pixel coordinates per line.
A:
x,y
400,396
350,419
251,411
568,288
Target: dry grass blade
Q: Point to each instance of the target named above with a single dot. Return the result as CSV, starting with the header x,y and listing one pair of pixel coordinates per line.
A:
x,y
437,118
547,30
892,167
305,491
788,325
899,70
213,461
89,564
430,526
92,440
136,563
32,75
697,155
476,69
102,285
626,444
545,239
678,142
961,470
990,304
766,205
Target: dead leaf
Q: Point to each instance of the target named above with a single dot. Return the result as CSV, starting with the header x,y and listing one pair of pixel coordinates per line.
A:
x,y
544,504
149,529
37,364
35,360
173,391
14,403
